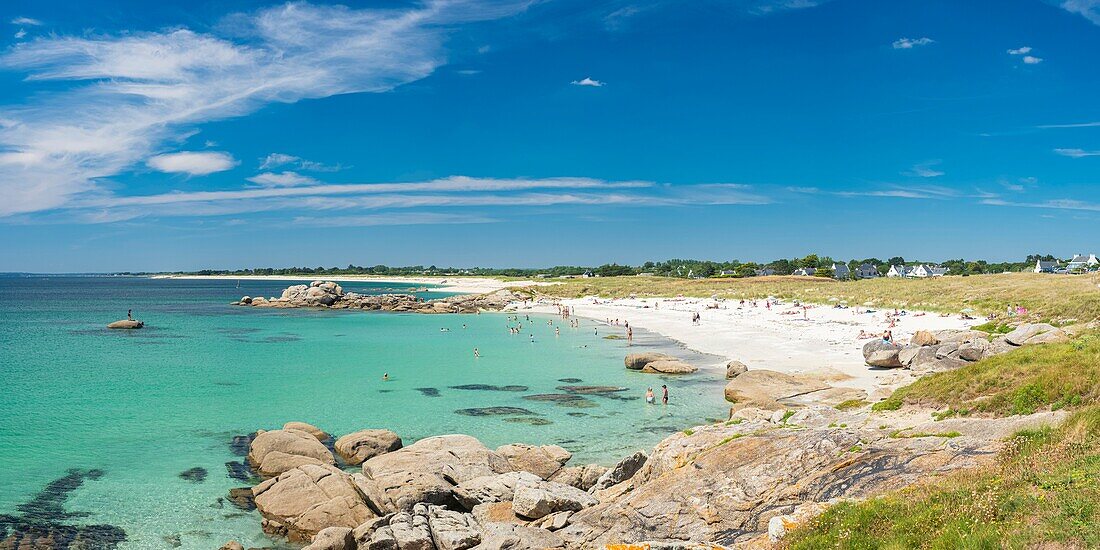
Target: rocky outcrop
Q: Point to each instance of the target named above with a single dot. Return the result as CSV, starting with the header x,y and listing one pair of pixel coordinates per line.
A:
x,y
929,353
544,461
490,489
766,388
734,369
316,432
581,477
327,294
427,471
277,451
333,538
535,499
1038,333
660,363
622,471
300,502
356,447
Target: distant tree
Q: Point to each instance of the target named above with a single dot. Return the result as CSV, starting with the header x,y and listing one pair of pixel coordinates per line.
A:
x,y
896,260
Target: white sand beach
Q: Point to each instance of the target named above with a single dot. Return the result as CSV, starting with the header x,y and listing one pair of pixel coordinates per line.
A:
x,y
821,341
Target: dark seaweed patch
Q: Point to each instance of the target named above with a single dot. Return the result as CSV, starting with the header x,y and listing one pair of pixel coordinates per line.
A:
x,y
488,387
429,392
529,420
495,411
196,474
40,527
569,380
563,400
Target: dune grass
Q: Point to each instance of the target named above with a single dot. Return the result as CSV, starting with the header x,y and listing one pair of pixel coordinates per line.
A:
x,y
1043,492
1022,381
1048,297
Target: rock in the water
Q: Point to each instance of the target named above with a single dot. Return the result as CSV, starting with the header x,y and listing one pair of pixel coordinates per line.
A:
x,y
622,471
535,500
196,474
428,470
764,388
734,369
301,502
542,461
288,442
333,538
126,324
359,446
308,428
638,361
674,366
487,489
242,498
1037,333
232,545
880,353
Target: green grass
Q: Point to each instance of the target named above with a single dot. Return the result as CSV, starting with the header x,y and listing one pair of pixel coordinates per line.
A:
x,y
850,404
995,327
900,434
1048,297
1023,381
1042,492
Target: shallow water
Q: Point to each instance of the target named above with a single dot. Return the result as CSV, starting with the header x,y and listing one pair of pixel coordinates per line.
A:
x,y
139,408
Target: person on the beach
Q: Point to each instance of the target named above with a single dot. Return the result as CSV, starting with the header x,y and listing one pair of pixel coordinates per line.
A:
x,y
664,394
649,396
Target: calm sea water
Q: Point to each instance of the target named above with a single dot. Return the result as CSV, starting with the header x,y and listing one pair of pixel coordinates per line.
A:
x,y
144,406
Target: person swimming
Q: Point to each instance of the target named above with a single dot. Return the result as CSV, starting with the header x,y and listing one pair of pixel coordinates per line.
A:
x,y
385,376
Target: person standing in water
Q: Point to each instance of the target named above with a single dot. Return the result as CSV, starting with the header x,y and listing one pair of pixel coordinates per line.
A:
x,y
664,395
477,353
649,396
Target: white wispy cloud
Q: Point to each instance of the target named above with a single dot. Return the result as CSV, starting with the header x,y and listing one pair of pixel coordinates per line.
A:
x,y
282,179
1058,204
129,93
394,218
1070,125
587,81
1089,9
26,21
1027,59
20,34
766,7
1020,51
925,170
1077,153
192,162
1032,60
275,160
910,43
617,19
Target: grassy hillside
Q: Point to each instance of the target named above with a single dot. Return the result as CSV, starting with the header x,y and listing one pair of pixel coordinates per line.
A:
x,y
1023,381
1048,297
1044,492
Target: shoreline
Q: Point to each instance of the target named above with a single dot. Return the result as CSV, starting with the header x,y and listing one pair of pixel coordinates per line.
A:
x,y
822,345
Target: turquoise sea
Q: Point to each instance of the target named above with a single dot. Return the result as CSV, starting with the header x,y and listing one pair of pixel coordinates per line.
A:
x,y
98,425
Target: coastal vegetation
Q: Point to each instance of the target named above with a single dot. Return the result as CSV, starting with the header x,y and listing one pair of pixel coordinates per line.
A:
x,y
1023,381
1045,297
1042,492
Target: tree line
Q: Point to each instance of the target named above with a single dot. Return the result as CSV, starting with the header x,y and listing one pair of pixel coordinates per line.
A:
x,y
683,268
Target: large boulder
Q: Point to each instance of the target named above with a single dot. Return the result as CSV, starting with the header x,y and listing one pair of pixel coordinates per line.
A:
x,y
488,489
299,503
764,388
973,350
638,361
126,324
734,369
622,471
277,462
581,477
421,528
880,353
287,442
1037,333
924,338
674,366
333,538
542,461
534,500
452,530
356,447
504,536
427,471
316,432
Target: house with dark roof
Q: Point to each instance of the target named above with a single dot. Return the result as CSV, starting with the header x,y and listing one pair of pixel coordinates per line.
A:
x,y
1045,267
867,271
841,271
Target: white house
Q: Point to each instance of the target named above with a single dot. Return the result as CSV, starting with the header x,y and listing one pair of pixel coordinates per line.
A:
x,y
923,271
866,271
1080,262
899,271
841,271
1045,267
804,271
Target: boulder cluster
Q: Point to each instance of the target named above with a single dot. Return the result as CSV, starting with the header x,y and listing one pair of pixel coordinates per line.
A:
x,y
327,294
931,352
657,363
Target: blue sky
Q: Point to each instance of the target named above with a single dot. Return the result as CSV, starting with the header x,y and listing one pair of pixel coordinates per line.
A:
x,y
523,133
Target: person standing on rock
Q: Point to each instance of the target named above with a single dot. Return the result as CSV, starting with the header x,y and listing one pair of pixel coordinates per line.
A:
x,y
129,315
664,395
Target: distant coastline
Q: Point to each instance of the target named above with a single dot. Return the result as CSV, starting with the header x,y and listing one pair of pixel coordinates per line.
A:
x,y
439,284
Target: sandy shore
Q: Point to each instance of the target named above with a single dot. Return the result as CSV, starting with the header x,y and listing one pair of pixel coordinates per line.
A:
x,y
821,341
472,285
